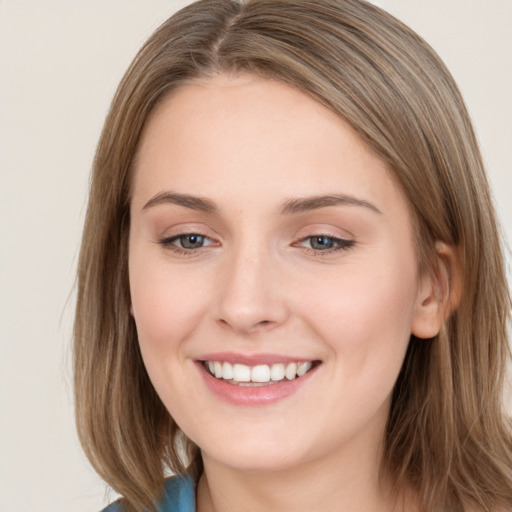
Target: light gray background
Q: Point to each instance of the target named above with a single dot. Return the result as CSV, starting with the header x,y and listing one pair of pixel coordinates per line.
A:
x,y
60,62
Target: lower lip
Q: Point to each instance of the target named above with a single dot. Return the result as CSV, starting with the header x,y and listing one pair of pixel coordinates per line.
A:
x,y
253,395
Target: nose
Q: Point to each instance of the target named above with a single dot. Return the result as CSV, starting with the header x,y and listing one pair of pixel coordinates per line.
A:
x,y
251,295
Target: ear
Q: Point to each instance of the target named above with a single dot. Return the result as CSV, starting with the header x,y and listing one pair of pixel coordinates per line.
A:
x,y
438,293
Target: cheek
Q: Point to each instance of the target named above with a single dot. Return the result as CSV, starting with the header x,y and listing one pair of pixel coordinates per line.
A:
x,y
365,312
166,305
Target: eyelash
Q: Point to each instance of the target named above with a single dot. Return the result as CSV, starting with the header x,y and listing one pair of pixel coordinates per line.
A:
x,y
168,243
338,244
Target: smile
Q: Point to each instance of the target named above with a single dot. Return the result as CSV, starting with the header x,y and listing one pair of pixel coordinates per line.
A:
x,y
255,380
261,374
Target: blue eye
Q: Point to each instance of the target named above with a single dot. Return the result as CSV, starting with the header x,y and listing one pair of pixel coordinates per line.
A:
x,y
191,241
186,242
325,243
321,243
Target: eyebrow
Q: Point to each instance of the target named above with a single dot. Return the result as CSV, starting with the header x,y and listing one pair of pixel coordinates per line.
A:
x,y
289,207
301,205
186,200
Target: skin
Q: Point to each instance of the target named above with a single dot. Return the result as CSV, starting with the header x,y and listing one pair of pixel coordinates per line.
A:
x,y
248,145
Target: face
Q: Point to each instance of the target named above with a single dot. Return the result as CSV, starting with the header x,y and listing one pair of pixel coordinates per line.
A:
x,y
273,273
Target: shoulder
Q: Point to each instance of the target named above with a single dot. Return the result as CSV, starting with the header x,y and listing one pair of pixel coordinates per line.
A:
x,y
178,496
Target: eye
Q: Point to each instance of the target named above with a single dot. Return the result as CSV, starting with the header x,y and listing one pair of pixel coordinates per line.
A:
x,y
186,242
321,243
325,243
191,241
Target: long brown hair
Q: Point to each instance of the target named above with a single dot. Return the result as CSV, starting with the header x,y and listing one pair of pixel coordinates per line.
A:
x,y
447,435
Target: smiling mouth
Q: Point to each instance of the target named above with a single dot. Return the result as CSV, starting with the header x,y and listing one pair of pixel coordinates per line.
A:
x,y
258,375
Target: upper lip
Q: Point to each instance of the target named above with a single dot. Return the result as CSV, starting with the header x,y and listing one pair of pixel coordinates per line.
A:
x,y
253,359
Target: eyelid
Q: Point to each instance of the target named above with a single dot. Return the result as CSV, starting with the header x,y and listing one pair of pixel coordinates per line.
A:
x,y
172,238
340,243
175,230
168,243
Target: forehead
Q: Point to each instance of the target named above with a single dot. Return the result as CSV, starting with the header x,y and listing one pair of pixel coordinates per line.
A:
x,y
244,133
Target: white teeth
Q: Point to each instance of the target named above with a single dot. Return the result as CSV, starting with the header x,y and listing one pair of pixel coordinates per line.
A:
x,y
241,373
277,371
218,369
261,373
303,368
291,371
227,371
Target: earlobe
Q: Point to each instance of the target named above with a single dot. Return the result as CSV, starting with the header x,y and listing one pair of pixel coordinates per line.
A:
x,y
438,293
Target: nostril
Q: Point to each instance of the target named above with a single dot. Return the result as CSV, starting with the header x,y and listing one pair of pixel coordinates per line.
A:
x,y
263,324
245,325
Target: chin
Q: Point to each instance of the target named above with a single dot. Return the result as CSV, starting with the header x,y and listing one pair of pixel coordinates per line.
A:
x,y
257,454
256,463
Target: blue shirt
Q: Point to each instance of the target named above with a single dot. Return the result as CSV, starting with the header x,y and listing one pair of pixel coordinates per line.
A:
x,y
178,496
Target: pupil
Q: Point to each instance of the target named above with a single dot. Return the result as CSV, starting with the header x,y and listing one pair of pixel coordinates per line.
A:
x,y
322,242
192,241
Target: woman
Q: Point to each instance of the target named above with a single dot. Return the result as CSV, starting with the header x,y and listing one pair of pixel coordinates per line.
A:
x,y
291,288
